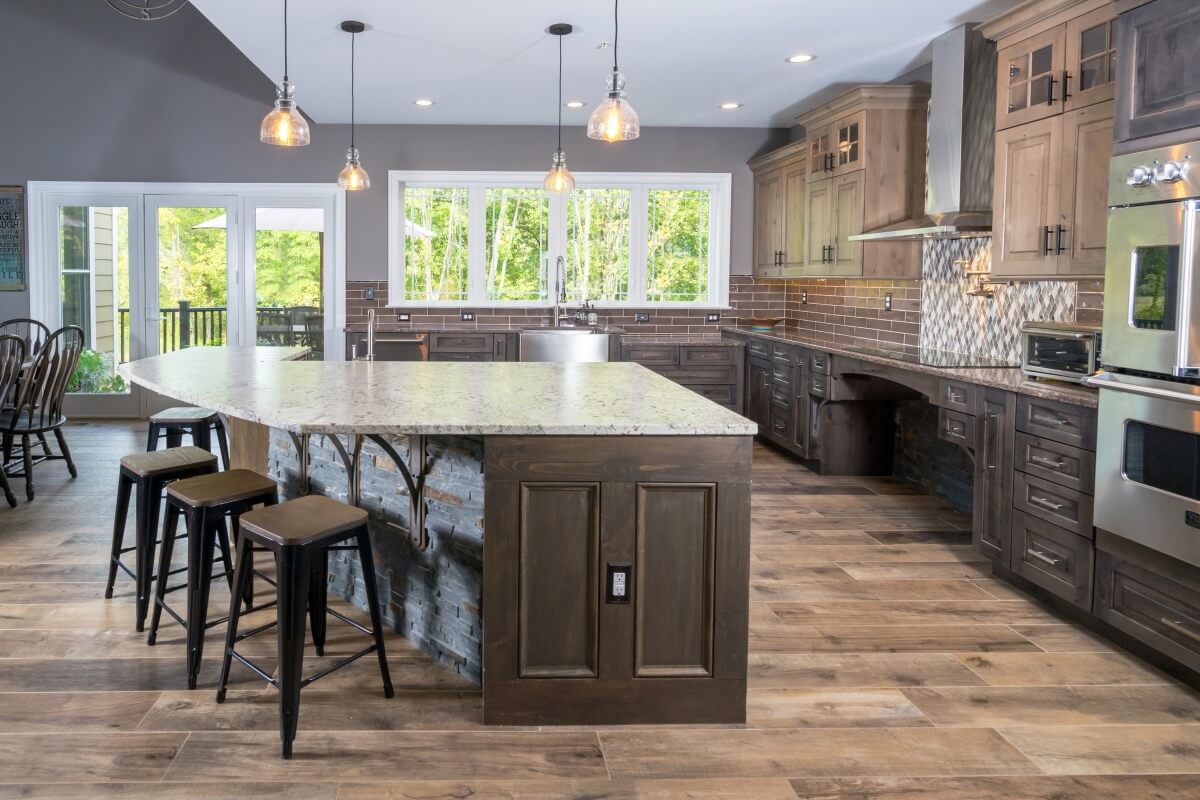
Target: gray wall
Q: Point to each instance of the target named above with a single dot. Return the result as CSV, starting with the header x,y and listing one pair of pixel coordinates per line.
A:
x,y
102,98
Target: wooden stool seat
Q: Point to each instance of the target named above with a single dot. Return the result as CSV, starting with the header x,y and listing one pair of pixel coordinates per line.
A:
x,y
184,414
160,462
220,488
304,521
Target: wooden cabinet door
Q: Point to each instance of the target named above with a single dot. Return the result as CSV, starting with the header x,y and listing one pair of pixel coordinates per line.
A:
x,y
1026,202
820,153
994,449
1091,59
758,393
848,141
819,225
848,221
766,223
1029,83
794,185
1158,69
1087,148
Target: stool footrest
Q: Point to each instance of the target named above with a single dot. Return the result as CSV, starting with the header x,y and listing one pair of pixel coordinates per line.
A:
x,y
344,662
349,621
255,668
266,626
171,612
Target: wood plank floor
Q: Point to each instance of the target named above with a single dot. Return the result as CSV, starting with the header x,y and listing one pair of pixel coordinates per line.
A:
x,y
885,663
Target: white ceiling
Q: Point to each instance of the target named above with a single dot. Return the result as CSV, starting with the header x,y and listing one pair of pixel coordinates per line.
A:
x,y
491,61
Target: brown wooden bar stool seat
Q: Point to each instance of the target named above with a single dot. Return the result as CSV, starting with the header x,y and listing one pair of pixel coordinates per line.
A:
x,y
204,502
199,423
150,473
301,533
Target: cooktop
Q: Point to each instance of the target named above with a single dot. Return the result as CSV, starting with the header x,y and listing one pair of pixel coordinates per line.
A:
x,y
929,357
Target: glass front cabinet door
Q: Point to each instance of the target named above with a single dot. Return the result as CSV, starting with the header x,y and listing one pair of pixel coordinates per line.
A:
x,y
1030,79
1091,57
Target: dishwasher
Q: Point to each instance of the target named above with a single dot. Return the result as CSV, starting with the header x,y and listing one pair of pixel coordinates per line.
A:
x,y
390,347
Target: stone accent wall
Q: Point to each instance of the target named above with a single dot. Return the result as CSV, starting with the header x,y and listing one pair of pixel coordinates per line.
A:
x,y
433,597
923,460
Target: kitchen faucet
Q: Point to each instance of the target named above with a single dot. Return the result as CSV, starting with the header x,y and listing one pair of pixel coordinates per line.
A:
x,y
560,278
370,334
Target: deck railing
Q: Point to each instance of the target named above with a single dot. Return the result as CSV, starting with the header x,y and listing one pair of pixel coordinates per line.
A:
x,y
184,325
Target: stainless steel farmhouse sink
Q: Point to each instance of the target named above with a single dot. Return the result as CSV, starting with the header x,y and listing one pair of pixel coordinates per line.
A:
x,y
564,344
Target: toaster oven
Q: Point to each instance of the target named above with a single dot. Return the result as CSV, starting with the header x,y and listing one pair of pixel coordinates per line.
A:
x,y
1062,350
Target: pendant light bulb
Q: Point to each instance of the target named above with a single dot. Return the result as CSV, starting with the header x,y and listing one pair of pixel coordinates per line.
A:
x,y
614,120
353,178
284,125
559,179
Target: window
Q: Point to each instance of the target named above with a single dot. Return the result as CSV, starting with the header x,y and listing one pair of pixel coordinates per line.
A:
x,y
495,239
74,254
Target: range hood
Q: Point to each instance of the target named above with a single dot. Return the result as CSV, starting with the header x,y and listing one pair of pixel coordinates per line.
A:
x,y
960,156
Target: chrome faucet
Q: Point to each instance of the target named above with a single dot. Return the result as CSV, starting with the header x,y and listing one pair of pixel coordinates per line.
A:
x,y
370,334
560,277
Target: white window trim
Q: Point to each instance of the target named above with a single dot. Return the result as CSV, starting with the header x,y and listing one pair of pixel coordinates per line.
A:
x,y
720,225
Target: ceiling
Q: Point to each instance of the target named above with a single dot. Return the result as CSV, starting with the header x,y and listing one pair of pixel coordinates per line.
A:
x,y
491,62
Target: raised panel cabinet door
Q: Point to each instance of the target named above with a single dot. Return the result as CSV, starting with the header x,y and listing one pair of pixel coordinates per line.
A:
x,y
1091,58
849,139
1158,71
847,221
766,223
795,200
1029,82
819,225
558,594
994,448
1087,147
674,583
820,152
1027,199
758,393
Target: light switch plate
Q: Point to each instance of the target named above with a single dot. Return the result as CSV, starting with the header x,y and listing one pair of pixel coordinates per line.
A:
x,y
887,301
714,317
402,317
804,297
369,293
468,316
641,317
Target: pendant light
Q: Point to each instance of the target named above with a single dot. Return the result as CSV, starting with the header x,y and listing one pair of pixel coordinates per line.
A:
x,y
353,177
559,179
285,125
614,120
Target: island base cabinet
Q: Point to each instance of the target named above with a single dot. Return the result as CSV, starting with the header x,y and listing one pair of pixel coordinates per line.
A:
x,y
616,587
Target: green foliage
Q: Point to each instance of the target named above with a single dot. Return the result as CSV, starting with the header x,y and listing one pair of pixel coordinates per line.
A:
x,y
1151,285
598,244
95,373
677,252
518,243
436,266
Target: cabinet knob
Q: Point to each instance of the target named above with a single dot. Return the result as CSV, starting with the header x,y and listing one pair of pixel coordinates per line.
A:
x,y
1140,176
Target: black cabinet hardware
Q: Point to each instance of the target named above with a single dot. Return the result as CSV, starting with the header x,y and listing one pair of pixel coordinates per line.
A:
x,y
1066,85
1045,240
1050,100
1058,238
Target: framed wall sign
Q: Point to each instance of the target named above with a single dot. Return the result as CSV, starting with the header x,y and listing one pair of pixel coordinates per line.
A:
x,y
12,238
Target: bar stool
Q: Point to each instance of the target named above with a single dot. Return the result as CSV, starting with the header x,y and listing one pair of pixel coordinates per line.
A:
x,y
301,532
200,423
204,502
149,472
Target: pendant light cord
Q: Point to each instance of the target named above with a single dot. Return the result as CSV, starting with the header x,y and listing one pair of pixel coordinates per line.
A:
x,y
353,38
560,38
285,41
616,33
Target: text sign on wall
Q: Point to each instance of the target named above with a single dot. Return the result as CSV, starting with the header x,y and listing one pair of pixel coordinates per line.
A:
x,y
12,238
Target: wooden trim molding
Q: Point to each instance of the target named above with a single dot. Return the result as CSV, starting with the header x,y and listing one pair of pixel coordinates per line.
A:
x,y
1033,17
872,95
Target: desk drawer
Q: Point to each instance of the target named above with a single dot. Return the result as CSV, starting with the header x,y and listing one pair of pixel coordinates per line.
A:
x,y
1056,504
956,427
453,342
958,396
759,347
722,394
781,374
1059,422
782,353
691,375
819,362
652,355
1061,463
706,356
782,396
818,384
1054,558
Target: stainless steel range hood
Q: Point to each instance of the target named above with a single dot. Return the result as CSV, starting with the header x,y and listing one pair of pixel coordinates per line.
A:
x,y
961,146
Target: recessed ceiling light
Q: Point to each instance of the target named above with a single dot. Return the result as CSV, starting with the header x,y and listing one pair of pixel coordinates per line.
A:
x,y
800,58
423,102
574,104
730,106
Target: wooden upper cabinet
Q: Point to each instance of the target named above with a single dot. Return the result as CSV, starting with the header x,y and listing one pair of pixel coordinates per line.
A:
x,y
794,185
1087,143
779,234
1026,202
1159,77
1029,82
1091,58
848,142
820,152
767,223
847,220
819,225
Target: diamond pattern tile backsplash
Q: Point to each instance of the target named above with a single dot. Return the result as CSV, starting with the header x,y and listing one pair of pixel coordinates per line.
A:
x,y
953,320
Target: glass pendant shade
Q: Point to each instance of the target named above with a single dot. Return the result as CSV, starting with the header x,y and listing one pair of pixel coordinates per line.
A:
x,y
614,120
285,126
559,179
353,178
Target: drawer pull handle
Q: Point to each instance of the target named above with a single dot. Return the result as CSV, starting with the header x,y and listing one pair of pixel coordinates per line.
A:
x,y
1044,503
1181,627
1046,419
1040,556
1048,462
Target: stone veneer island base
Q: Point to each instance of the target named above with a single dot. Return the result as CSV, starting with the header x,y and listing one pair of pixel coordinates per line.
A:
x,y
536,483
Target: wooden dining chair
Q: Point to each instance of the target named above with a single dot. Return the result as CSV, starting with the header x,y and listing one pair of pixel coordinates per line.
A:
x,y
38,407
12,358
32,332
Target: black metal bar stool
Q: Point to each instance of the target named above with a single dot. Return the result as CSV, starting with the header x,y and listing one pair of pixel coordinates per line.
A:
x,y
150,473
300,532
204,502
200,423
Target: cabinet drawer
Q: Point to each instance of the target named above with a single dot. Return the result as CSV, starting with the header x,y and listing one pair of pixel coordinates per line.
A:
x,y
723,394
1060,422
448,342
1061,463
1154,602
1054,558
956,427
819,362
697,356
1059,505
802,357
818,384
652,354
758,347
460,356
958,396
781,424
781,374
781,353
698,374
782,396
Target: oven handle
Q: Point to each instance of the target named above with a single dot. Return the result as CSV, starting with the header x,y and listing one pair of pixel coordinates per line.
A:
x,y
1108,380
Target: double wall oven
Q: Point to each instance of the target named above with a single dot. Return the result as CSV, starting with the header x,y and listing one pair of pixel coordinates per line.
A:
x,y
1148,459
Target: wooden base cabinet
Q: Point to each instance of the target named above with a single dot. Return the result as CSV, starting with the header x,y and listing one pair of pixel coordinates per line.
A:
x,y
994,449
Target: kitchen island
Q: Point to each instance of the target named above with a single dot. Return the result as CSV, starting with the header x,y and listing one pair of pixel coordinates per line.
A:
x,y
575,537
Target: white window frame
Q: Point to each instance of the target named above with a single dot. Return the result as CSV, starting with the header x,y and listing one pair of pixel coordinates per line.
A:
x,y
720,184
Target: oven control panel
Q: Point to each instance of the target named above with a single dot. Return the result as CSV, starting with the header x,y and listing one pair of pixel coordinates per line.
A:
x,y
1165,173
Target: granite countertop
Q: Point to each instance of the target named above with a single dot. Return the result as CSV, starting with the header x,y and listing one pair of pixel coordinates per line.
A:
x,y
459,327
261,385
1010,379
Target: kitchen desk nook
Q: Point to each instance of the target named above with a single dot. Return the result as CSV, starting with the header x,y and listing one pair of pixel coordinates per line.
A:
x,y
575,537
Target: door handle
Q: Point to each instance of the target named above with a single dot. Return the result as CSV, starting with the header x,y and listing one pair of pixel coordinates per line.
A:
x,y
1048,462
1045,240
1066,85
1182,628
1050,94
1044,503
1040,556
1058,238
